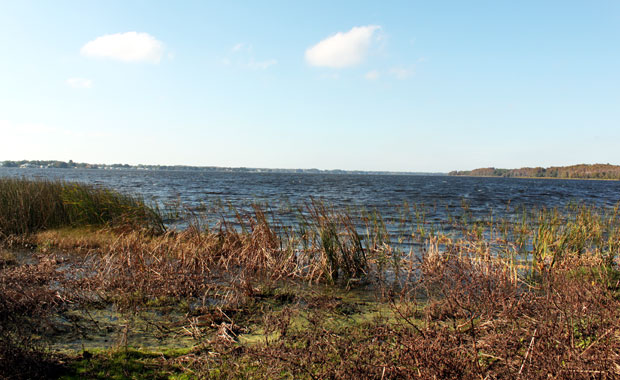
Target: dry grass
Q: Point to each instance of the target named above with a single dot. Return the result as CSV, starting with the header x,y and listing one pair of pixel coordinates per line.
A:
x,y
481,325
28,300
532,298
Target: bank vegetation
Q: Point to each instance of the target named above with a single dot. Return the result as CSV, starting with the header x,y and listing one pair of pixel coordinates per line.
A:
x,y
93,285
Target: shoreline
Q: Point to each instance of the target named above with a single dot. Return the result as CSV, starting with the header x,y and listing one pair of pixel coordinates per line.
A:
x,y
119,296
551,178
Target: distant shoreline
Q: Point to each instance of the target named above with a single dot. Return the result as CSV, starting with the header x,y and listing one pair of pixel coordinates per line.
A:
x,y
580,171
535,178
53,164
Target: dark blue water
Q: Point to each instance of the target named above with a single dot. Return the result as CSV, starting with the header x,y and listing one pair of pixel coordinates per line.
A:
x,y
384,193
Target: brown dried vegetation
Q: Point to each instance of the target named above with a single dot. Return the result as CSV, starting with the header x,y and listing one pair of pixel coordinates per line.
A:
x,y
532,299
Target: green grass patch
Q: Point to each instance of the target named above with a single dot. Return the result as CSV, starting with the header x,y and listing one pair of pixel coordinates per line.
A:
x,y
27,206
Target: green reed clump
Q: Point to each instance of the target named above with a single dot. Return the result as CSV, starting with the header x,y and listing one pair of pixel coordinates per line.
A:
x,y
578,231
340,245
28,206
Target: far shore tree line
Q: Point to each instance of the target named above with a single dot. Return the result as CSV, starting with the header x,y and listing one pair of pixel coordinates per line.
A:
x,y
54,164
582,171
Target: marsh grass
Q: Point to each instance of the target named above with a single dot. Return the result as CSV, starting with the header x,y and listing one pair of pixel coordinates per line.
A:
x,y
27,206
526,296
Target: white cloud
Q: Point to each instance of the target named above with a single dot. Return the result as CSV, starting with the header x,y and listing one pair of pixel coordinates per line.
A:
x,y
342,49
372,75
401,72
79,83
126,47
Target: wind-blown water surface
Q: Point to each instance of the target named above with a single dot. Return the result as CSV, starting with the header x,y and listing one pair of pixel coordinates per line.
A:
x,y
441,195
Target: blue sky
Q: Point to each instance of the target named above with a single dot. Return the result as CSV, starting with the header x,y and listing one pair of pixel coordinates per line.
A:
x,y
412,86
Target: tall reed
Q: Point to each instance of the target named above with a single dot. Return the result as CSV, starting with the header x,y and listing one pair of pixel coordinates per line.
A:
x,y
29,205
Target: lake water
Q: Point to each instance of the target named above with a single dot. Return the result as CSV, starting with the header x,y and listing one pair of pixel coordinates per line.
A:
x,y
439,194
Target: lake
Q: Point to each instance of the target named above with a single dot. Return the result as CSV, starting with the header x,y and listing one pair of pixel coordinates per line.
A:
x,y
440,195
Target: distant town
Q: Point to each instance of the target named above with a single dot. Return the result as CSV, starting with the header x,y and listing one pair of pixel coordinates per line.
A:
x,y
53,164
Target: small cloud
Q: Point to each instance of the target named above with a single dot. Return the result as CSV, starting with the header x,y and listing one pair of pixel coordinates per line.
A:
x,y
261,65
372,75
126,47
79,83
342,49
401,72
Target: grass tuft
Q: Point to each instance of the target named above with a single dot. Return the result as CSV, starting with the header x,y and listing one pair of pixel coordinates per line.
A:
x,y
27,206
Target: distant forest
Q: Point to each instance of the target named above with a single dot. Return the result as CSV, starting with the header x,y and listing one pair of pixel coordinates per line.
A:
x,y
582,171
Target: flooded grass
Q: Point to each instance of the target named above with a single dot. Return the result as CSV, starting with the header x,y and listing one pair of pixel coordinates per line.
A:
x,y
337,295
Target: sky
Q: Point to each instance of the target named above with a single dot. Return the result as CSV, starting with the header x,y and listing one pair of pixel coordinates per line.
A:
x,y
427,86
